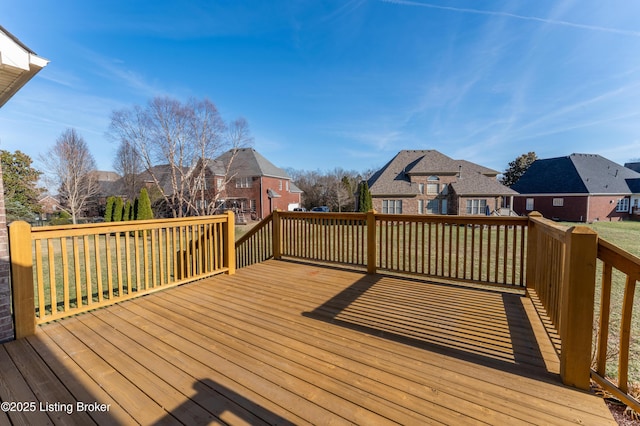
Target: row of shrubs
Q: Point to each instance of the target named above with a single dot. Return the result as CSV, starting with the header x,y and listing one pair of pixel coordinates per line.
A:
x,y
118,210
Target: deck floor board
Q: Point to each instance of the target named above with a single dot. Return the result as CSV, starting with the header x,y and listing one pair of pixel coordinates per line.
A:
x,y
288,343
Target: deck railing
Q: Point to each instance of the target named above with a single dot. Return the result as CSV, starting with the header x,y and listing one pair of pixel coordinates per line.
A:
x,y
561,276
64,270
473,249
616,264
488,250
256,245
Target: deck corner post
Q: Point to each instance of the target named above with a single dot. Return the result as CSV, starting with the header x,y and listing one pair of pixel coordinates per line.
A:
x,y
277,235
371,242
577,305
230,249
532,247
22,279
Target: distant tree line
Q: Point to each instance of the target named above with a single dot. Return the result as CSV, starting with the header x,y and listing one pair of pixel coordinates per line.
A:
x,y
337,189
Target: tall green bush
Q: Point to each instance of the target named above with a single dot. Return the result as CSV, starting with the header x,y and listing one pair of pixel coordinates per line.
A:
x,y
118,210
128,211
364,197
144,212
108,212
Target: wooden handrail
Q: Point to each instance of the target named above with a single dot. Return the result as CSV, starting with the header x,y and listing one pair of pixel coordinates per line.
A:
x,y
474,249
58,271
256,245
615,258
561,265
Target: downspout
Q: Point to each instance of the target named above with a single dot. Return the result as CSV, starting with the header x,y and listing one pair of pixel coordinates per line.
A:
x,y
262,216
588,209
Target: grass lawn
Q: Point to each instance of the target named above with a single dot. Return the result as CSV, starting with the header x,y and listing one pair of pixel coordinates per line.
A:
x,y
625,235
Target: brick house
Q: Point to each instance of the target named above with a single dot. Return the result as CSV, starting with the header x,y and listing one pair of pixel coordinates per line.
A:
x,y
50,206
429,182
245,180
578,188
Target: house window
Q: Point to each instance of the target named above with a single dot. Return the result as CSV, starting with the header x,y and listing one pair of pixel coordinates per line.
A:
x,y
433,207
244,182
391,206
286,185
478,206
219,184
443,207
420,206
433,185
199,184
529,205
558,202
252,205
623,205
421,188
280,186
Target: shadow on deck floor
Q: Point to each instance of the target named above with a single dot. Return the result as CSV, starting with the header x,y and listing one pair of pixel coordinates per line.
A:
x,y
289,343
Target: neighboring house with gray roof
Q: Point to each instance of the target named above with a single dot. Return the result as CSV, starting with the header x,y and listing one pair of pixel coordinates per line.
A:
x,y
578,188
246,180
429,182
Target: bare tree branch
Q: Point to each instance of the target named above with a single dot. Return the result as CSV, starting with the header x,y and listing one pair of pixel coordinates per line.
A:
x,y
184,138
72,168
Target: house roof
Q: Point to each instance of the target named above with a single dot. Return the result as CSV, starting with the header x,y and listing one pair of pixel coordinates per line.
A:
x,y
578,174
18,64
395,177
635,166
473,183
249,162
162,172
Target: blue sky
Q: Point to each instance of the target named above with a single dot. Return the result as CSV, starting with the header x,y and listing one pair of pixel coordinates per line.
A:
x,y
327,84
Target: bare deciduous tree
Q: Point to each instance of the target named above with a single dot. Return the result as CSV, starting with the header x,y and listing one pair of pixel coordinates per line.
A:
x,y
72,169
172,139
129,164
335,189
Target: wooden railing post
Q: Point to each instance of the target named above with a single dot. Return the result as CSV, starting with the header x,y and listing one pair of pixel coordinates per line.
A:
x,y
371,242
22,278
576,309
230,247
532,246
276,237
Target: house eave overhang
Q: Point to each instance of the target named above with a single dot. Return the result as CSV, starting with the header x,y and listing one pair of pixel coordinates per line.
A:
x,y
487,195
572,194
395,195
18,65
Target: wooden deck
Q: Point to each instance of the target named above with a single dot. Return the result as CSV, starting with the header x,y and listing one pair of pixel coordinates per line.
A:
x,y
287,343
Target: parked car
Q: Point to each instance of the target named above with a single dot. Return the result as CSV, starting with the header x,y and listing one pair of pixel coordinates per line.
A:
x,y
299,209
321,209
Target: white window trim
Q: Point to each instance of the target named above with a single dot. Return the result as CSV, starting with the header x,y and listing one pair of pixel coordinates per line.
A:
x,y
623,205
529,204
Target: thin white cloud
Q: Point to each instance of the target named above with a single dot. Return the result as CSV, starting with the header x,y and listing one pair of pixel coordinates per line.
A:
x,y
345,9
516,16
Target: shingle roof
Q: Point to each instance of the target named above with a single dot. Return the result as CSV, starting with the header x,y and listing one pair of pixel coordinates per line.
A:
x,y
249,162
394,177
577,174
471,182
635,166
